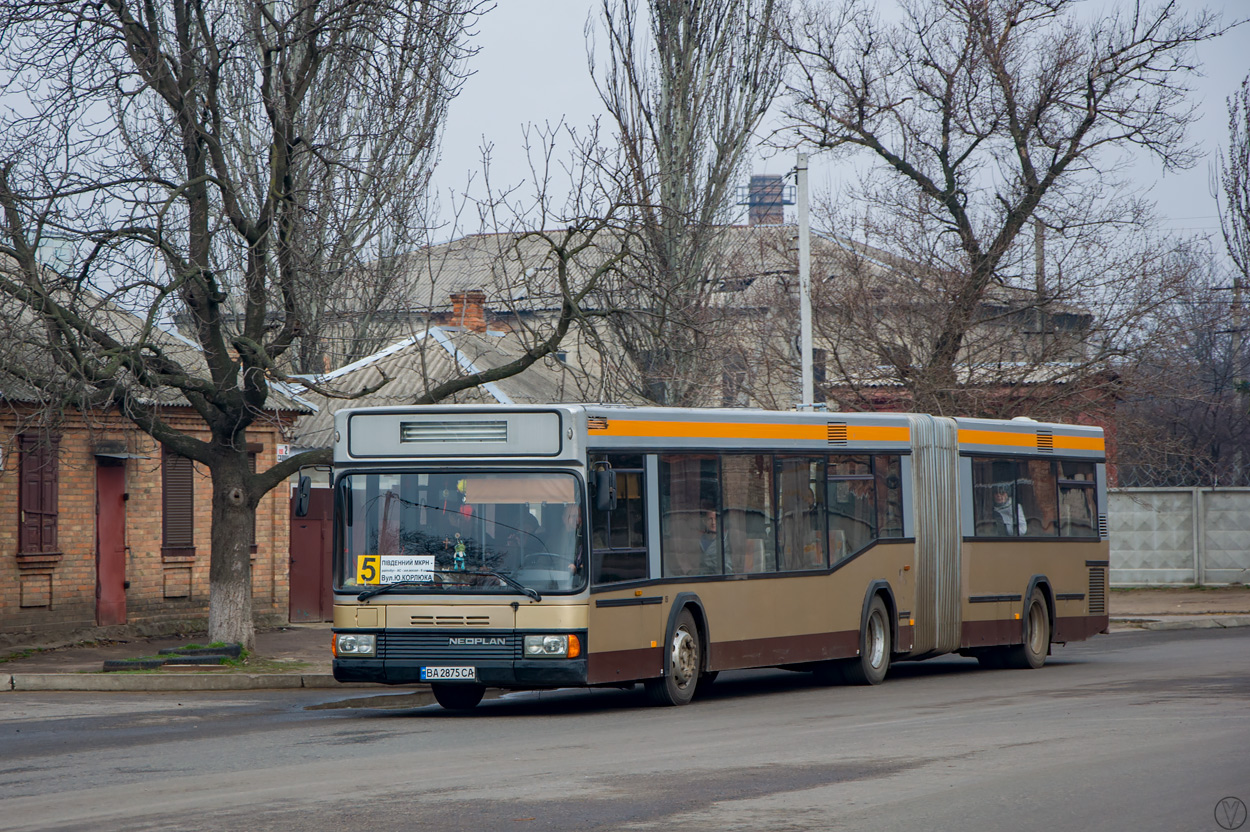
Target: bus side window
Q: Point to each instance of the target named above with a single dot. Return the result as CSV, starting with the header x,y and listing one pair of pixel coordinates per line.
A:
x,y
618,537
852,505
1077,499
746,517
689,492
888,472
997,485
801,513
1040,510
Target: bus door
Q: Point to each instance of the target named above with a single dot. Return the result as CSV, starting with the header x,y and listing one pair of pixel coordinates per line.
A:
x,y
626,622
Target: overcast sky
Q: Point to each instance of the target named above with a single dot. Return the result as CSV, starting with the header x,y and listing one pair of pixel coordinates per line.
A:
x,y
532,68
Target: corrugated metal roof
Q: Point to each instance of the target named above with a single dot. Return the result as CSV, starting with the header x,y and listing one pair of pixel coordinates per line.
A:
x,y
416,365
25,344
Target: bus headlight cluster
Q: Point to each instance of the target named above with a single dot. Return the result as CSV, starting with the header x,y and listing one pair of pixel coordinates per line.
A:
x,y
354,644
552,647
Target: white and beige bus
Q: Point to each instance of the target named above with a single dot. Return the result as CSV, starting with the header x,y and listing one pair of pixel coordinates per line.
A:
x,y
568,545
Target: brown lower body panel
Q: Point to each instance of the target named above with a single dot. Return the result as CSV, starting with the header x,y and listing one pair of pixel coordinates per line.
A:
x,y
624,665
769,652
986,633
990,633
647,663
1079,627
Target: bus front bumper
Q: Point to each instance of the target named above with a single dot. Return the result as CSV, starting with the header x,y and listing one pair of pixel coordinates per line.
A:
x,y
538,673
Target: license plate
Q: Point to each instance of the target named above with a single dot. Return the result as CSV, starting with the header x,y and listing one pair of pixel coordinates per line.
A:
x,y
457,674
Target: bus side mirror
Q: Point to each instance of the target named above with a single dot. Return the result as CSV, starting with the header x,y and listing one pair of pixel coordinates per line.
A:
x,y
302,492
605,489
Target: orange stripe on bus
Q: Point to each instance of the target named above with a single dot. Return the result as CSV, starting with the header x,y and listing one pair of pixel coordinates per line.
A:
x,y
1081,443
1029,440
995,437
748,430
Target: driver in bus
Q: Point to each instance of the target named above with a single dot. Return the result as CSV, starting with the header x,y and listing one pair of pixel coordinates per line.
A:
x,y
567,539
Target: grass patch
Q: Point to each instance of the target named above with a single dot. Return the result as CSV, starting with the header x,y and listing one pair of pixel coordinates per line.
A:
x,y
18,655
240,662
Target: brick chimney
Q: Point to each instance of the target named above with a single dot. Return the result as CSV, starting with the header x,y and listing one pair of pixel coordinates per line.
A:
x,y
468,309
766,198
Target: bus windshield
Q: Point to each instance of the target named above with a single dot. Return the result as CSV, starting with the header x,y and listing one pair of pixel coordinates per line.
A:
x,y
447,531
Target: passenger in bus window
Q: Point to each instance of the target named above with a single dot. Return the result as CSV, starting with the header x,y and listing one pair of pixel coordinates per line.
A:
x,y
1007,522
709,545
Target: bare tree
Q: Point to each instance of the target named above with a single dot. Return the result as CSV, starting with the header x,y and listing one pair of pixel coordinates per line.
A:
x,y
539,250
1234,187
202,158
686,85
1182,419
988,119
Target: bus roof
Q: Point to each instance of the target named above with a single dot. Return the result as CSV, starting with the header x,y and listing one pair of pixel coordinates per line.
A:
x,y
569,431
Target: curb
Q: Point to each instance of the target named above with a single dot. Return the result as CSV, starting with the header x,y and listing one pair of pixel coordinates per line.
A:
x,y
1163,623
168,682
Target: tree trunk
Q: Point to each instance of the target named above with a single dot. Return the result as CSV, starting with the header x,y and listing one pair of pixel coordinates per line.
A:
x,y
230,573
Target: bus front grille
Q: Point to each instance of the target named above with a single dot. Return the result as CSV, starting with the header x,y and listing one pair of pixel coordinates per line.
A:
x,y
450,620
448,646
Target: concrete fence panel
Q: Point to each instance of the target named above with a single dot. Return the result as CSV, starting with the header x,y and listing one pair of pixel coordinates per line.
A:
x,y
1179,536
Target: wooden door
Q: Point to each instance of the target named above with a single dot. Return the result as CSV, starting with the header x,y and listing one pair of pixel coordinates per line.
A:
x,y
311,595
110,588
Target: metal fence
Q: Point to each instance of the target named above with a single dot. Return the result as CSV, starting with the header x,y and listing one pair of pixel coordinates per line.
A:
x,y
1179,536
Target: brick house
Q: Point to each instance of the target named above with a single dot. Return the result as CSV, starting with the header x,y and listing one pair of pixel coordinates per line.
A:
x,y
99,527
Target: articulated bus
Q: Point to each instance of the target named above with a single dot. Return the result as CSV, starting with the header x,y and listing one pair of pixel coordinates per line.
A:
x,y
568,545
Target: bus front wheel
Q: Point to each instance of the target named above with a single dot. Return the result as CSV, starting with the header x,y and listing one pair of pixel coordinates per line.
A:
x,y
457,697
684,661
874,648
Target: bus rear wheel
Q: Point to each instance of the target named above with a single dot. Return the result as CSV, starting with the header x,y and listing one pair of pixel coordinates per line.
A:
x,y
457,697
1032,653
684,661
874,648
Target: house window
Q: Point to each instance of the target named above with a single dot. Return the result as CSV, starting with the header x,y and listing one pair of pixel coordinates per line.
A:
x,y
177,506
734,380
38,474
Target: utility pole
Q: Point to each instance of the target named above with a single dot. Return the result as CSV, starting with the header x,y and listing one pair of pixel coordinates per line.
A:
x,y
805,287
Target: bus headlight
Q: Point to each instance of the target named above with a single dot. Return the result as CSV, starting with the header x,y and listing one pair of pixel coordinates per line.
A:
x,y
354,644
552,647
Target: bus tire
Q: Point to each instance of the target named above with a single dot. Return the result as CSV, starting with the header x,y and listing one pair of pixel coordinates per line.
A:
x,y
457,697
829,673
874,647
682,665
1032,653
706,678
992,658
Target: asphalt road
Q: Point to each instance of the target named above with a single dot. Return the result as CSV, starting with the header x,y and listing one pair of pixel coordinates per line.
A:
x,y
1132,731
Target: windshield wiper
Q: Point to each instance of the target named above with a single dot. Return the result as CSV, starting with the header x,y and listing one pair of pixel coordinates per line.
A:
x,y
515,584
378,590
481,573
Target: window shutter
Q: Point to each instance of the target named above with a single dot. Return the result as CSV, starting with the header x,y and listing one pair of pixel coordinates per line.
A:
x,y
178,506
31,517
38,478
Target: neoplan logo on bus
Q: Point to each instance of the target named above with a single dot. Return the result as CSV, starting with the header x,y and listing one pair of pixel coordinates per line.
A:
x,y
471,642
